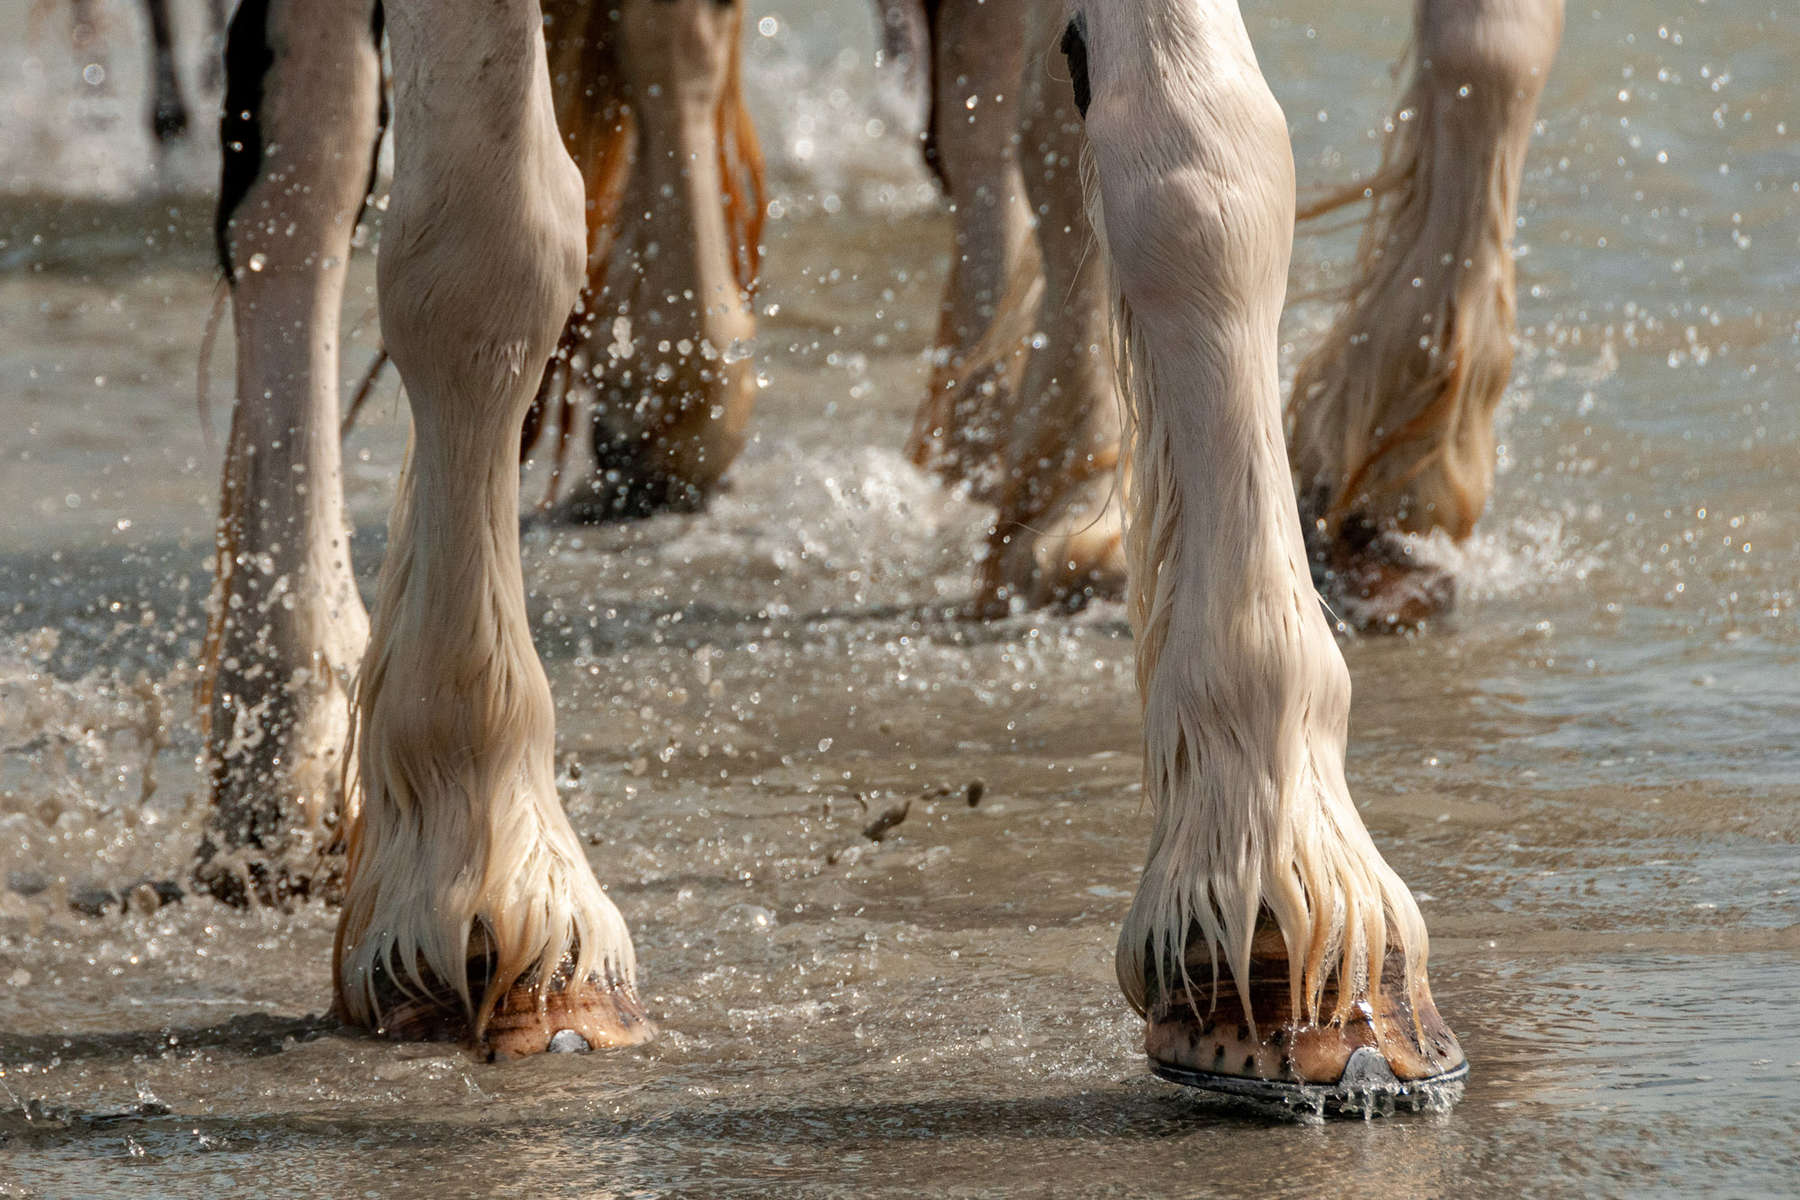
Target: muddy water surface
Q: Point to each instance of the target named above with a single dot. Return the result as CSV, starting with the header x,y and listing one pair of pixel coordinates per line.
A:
x,y
1588,775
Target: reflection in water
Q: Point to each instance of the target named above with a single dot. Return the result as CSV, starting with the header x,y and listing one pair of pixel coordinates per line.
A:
x,y
1586,774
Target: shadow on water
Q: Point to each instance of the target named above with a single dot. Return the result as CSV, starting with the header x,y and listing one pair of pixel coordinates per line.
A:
x,y
1134,1112
250,1034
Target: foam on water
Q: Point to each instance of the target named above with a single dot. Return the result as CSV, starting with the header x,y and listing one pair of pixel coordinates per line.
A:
x,y
108,800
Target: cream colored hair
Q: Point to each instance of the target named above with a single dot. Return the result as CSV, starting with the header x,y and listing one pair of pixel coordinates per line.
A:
x,y
461,851
1245,695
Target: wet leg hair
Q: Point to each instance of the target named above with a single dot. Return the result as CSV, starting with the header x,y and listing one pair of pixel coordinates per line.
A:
x,y
286,625
650,99
1263,900
470,910
1392,418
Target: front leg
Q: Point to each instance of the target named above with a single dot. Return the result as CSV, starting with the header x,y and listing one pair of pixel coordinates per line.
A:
x,y
470,911
1271,949
1057,537
287,625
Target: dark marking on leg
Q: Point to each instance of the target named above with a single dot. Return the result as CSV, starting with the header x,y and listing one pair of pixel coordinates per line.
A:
x,y
248,58
934,158
168,111
1074,48
383,112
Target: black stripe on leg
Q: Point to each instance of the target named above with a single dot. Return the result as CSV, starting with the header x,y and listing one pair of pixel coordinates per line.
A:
x,y
934,155
1074,48
383,110
248,60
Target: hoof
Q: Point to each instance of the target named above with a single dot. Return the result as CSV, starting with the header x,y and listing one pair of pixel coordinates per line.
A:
x,y
1376,584
1383,1054
567,1019
249,877
611,496
1368,1087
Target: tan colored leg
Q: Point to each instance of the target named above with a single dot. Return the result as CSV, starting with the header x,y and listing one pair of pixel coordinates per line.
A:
x,y
470,910
1058,537
1392,428
287,625
652,105
979,59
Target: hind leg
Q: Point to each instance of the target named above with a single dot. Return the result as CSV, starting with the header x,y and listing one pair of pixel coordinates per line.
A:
x,y
470,910
168,111
287,625
1392,429
652,106
1057,535
978,63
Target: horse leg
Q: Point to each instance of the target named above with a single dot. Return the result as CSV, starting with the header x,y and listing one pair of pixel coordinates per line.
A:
x,y
214,72
470,910
978,63
1269,945
1057,536
168,111
287,626
1393,414
650,98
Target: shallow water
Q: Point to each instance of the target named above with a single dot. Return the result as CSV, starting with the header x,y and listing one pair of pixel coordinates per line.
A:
x,y
1587,774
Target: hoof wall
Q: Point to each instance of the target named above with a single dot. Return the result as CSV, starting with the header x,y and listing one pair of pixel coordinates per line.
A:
x,y
1367,1088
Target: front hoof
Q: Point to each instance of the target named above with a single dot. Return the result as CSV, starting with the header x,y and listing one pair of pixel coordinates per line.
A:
x,y
571,1020
1389,597
1383,1053
566,1018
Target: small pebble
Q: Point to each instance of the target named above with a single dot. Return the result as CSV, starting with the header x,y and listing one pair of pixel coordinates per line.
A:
x,y
567,1041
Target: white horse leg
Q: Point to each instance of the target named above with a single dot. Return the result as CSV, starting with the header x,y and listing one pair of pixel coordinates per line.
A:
x,y
287,626
1057,536
979,57
1393,414
650,99
1268,943
470,910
